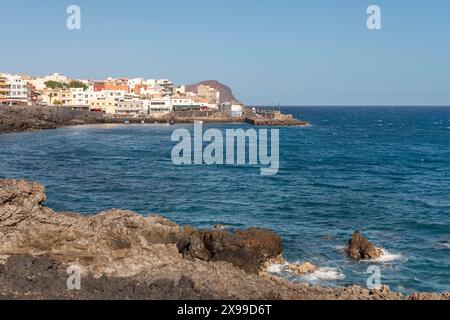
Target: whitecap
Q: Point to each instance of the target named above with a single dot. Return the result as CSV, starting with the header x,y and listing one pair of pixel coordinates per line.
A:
x,y
446,245
324,274
221,227
276,268
387,256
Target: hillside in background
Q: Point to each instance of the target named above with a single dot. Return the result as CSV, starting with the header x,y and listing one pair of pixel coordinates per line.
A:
x,y
226,94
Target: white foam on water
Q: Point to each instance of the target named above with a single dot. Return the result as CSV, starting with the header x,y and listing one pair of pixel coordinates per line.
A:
x,y
319,276
324,274
221,227
387,256
276,268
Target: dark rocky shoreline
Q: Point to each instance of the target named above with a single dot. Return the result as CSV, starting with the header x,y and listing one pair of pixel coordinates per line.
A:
x,y
19,119
123,255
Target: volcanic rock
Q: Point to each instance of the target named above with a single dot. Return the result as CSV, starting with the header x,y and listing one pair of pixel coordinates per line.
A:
x,y
18,118
130,240
359,248
304,268
123,255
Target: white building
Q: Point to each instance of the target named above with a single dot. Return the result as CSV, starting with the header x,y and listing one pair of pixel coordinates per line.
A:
x,y
181,90
165,86
181,102
150,82
116,95
149,91
17,89
158,106
80,97
233,109
129,107
132,83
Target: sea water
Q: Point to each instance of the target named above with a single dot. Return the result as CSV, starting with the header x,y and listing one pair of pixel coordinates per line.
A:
x,y
385,171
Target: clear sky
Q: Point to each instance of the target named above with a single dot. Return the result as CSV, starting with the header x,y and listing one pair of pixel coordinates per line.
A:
x,y
293,52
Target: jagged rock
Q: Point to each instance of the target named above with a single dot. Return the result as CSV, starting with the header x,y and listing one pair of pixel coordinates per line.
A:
x,y
429,296
304,268
130,240
246,249
123,255
359,248
116,242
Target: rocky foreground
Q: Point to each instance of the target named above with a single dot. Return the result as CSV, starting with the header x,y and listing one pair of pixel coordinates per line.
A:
x,y
123,255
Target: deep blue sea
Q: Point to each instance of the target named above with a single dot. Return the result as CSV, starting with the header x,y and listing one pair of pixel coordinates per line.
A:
x,y
385,171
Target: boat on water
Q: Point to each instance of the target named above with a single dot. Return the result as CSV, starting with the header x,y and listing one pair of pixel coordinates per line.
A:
x,y
127,121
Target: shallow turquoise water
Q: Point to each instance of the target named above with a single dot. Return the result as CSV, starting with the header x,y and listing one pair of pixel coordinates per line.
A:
x,y
382,170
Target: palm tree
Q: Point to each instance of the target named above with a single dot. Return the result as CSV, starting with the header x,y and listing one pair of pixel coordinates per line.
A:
x,y
51,95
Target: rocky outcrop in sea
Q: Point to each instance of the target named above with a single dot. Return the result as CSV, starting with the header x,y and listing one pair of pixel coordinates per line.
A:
x,y
359,248
123,255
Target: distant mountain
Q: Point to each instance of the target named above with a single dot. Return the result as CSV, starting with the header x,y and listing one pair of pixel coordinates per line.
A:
x,y
226,94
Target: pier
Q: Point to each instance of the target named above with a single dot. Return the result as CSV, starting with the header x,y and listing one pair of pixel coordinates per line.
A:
x,y
261,117
271,117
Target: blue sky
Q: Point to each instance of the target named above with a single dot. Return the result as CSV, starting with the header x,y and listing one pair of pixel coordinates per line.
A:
x,y
293,52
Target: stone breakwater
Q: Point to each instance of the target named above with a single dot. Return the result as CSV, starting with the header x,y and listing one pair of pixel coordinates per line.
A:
x,y
123,255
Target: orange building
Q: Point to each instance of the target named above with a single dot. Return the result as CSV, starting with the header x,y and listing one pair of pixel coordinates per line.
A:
x,y
137,89
117,87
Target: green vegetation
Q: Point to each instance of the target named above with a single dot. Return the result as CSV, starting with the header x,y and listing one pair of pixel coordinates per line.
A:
x,y
59,85
54,85
78,84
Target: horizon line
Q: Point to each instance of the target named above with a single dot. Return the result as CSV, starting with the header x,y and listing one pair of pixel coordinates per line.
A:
x,y
349,105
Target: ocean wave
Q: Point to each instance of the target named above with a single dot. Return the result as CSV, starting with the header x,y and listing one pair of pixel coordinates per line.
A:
x,y
324,274
321,274
387,256
277,268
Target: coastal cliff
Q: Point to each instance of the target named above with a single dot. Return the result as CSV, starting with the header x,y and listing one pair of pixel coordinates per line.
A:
x,y
123,255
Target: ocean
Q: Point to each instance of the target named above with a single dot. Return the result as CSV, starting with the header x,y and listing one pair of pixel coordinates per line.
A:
x,y
382,170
